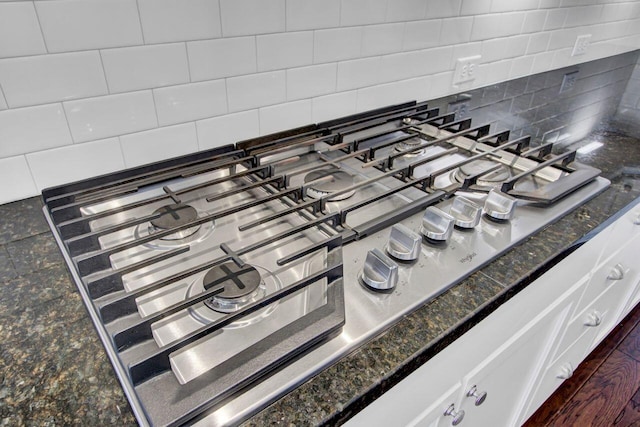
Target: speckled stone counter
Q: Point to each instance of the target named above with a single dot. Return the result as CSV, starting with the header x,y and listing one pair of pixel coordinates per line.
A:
x,y
55,372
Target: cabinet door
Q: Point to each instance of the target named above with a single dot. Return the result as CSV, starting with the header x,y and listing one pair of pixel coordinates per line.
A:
x,y
508,374
434,415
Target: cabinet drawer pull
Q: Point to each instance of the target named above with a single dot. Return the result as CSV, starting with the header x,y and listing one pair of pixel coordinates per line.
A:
x,y
480,396
566,372
617,272
593,319
458,416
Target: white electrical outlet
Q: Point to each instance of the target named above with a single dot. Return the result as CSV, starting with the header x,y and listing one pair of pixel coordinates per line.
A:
x,y
466,69
582,45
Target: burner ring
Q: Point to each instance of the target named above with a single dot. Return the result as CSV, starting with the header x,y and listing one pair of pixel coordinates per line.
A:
x,y
329,181
488,180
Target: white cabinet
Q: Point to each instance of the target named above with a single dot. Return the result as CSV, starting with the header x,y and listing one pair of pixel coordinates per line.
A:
x,y
524,350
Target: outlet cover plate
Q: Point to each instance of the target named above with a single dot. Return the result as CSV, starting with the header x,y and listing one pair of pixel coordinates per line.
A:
x,y
582,45
466,69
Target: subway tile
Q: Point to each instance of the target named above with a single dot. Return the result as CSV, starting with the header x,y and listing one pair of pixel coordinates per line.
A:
x,y
285,116
333,106
3,103
541,62
455,30
406,10
548,4
497,25
404,65
256,90
15,170
585,15
195,101
443,8
286,50
439,59
312,14
510,5
362,12
144,67
307,82
75,162
571,3
44,79
20,33
214,59
381,39
98,118
227,129
617,12
475,7
462,51
538,42
337,44
555,19
421,34
243,17
24,130
159,144
493,49
79,25
563,38
441,85
392,93
534,21
165,21
358,73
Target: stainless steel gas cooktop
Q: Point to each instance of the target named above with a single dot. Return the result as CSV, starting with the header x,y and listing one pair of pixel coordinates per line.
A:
x,y
221,280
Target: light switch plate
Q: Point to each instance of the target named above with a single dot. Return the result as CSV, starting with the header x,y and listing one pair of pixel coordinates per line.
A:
x,y
466,69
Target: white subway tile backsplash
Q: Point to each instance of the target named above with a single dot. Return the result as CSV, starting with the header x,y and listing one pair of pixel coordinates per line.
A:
x,y
256,90
44,79
165,21
307,82
381,39
439,59
3,103
333,106
538,43
228,129
195,101
421,34
312,14
392,93
98,118
521,67
455,30
159,144
19,30
509,5
406,10
534,21
497,25
555,19
286,50
214,59
337,44
15,170
75,162
362,12
563,38
358,73
144,67
584,15
475,7
24,130
78,24
443,8
285,116
242,17
404,65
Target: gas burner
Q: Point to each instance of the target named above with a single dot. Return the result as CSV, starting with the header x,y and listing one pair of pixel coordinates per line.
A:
x,y
172,216
409,145
242,285
488,181
327,182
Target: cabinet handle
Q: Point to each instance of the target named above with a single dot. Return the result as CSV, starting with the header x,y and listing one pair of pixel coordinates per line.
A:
x,y
617,272
480,396
566,372
458,416
593,319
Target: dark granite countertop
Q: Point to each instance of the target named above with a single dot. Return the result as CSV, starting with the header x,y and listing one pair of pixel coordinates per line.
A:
x,y
55,371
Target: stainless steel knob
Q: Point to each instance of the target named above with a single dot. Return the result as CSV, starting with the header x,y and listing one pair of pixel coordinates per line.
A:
x,y
466,213
436,224
379,271
593,319
617,272
480,397
566,371
458,416
404,244
499,206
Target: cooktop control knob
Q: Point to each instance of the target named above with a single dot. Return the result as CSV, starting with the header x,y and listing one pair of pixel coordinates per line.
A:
x,y
436,224
404,244
379,272
499,206
466,213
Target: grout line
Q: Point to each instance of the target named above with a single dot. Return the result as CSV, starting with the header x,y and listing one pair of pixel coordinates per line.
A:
x,y
44,41
188,62
104,72
124,161
66,119
226,93
155,109
4,97
140,22
220,18
35,184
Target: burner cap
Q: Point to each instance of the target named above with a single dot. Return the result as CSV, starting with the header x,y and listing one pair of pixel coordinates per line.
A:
x,y
329,181
408,145
237,281
490,179
174,215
